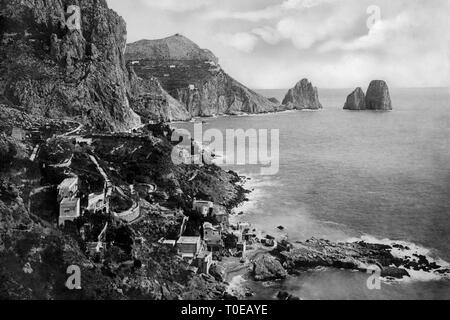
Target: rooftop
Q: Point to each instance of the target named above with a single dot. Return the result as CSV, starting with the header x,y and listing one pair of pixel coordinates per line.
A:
x,y
188,240
68,183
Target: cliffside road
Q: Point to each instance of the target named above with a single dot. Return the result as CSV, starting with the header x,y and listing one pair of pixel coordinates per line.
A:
x,y
71,133
129,215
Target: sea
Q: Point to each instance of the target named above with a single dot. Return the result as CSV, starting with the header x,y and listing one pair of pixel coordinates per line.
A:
x,y
382,177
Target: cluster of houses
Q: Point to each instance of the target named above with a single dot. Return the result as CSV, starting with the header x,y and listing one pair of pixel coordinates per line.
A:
x,y
70,202
20,134
198,250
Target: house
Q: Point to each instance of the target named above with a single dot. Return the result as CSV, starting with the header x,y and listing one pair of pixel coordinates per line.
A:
x,y
68,188
242,247
189,247
83,141
222,217
19,134
191,87
36,135
205,208
212,236
204,261
96,202
169,243
243,226
69,210
96,249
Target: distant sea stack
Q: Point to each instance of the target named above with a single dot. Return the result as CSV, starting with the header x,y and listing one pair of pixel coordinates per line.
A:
x,y
378,97
303,96
356,100
193,77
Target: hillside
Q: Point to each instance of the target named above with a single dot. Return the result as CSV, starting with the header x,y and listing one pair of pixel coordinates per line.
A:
x,y
176,47
193,77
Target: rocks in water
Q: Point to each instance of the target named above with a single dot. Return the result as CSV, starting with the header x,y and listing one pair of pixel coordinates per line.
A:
x,y
378,97
283,295
267,268
392,272
303,96
356,100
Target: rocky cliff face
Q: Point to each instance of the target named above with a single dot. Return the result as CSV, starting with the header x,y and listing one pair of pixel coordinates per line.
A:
x,y
47,69
193,77
152,103
303,96
378,97
356,100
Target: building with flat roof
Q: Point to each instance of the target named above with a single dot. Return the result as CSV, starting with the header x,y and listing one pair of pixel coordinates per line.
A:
x,y
212,236
189,247
68,188
18,134
96,202
169,243
204,261
222,216
205,208
69,210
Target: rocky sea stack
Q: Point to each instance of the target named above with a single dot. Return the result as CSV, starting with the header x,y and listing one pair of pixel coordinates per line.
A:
x,y
303,96
356,100
378,97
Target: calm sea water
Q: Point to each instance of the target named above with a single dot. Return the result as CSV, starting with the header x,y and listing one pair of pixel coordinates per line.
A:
x,y
382,176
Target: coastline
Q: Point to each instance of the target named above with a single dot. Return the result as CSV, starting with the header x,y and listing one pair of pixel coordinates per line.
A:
x,y
239,276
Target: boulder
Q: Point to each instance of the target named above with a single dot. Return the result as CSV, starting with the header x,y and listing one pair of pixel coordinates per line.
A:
x,y
356,100
393,272
303,96
378,97
217,272
283,295
267,268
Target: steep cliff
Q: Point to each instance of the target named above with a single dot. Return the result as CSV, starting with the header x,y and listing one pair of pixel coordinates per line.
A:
x,y
378,97
193,77
303,96
356,100
152,103
50,67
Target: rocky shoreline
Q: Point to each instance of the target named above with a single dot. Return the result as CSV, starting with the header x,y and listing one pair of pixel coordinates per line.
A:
x,y
391,262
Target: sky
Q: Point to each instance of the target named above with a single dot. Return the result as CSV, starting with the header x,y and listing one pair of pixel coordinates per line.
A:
x,y
272,44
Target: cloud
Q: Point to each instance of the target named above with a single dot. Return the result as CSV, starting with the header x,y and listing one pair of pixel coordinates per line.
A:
x,y
241,41
177,5
268,34
379,34
269,12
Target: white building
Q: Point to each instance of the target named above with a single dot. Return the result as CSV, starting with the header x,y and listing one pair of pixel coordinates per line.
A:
x,y
189,247
96,202
212,236
69,210
19,134
68,188
205,208
204,261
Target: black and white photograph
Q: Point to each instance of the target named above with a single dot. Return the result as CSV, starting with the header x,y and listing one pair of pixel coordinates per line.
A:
x,y
239,152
